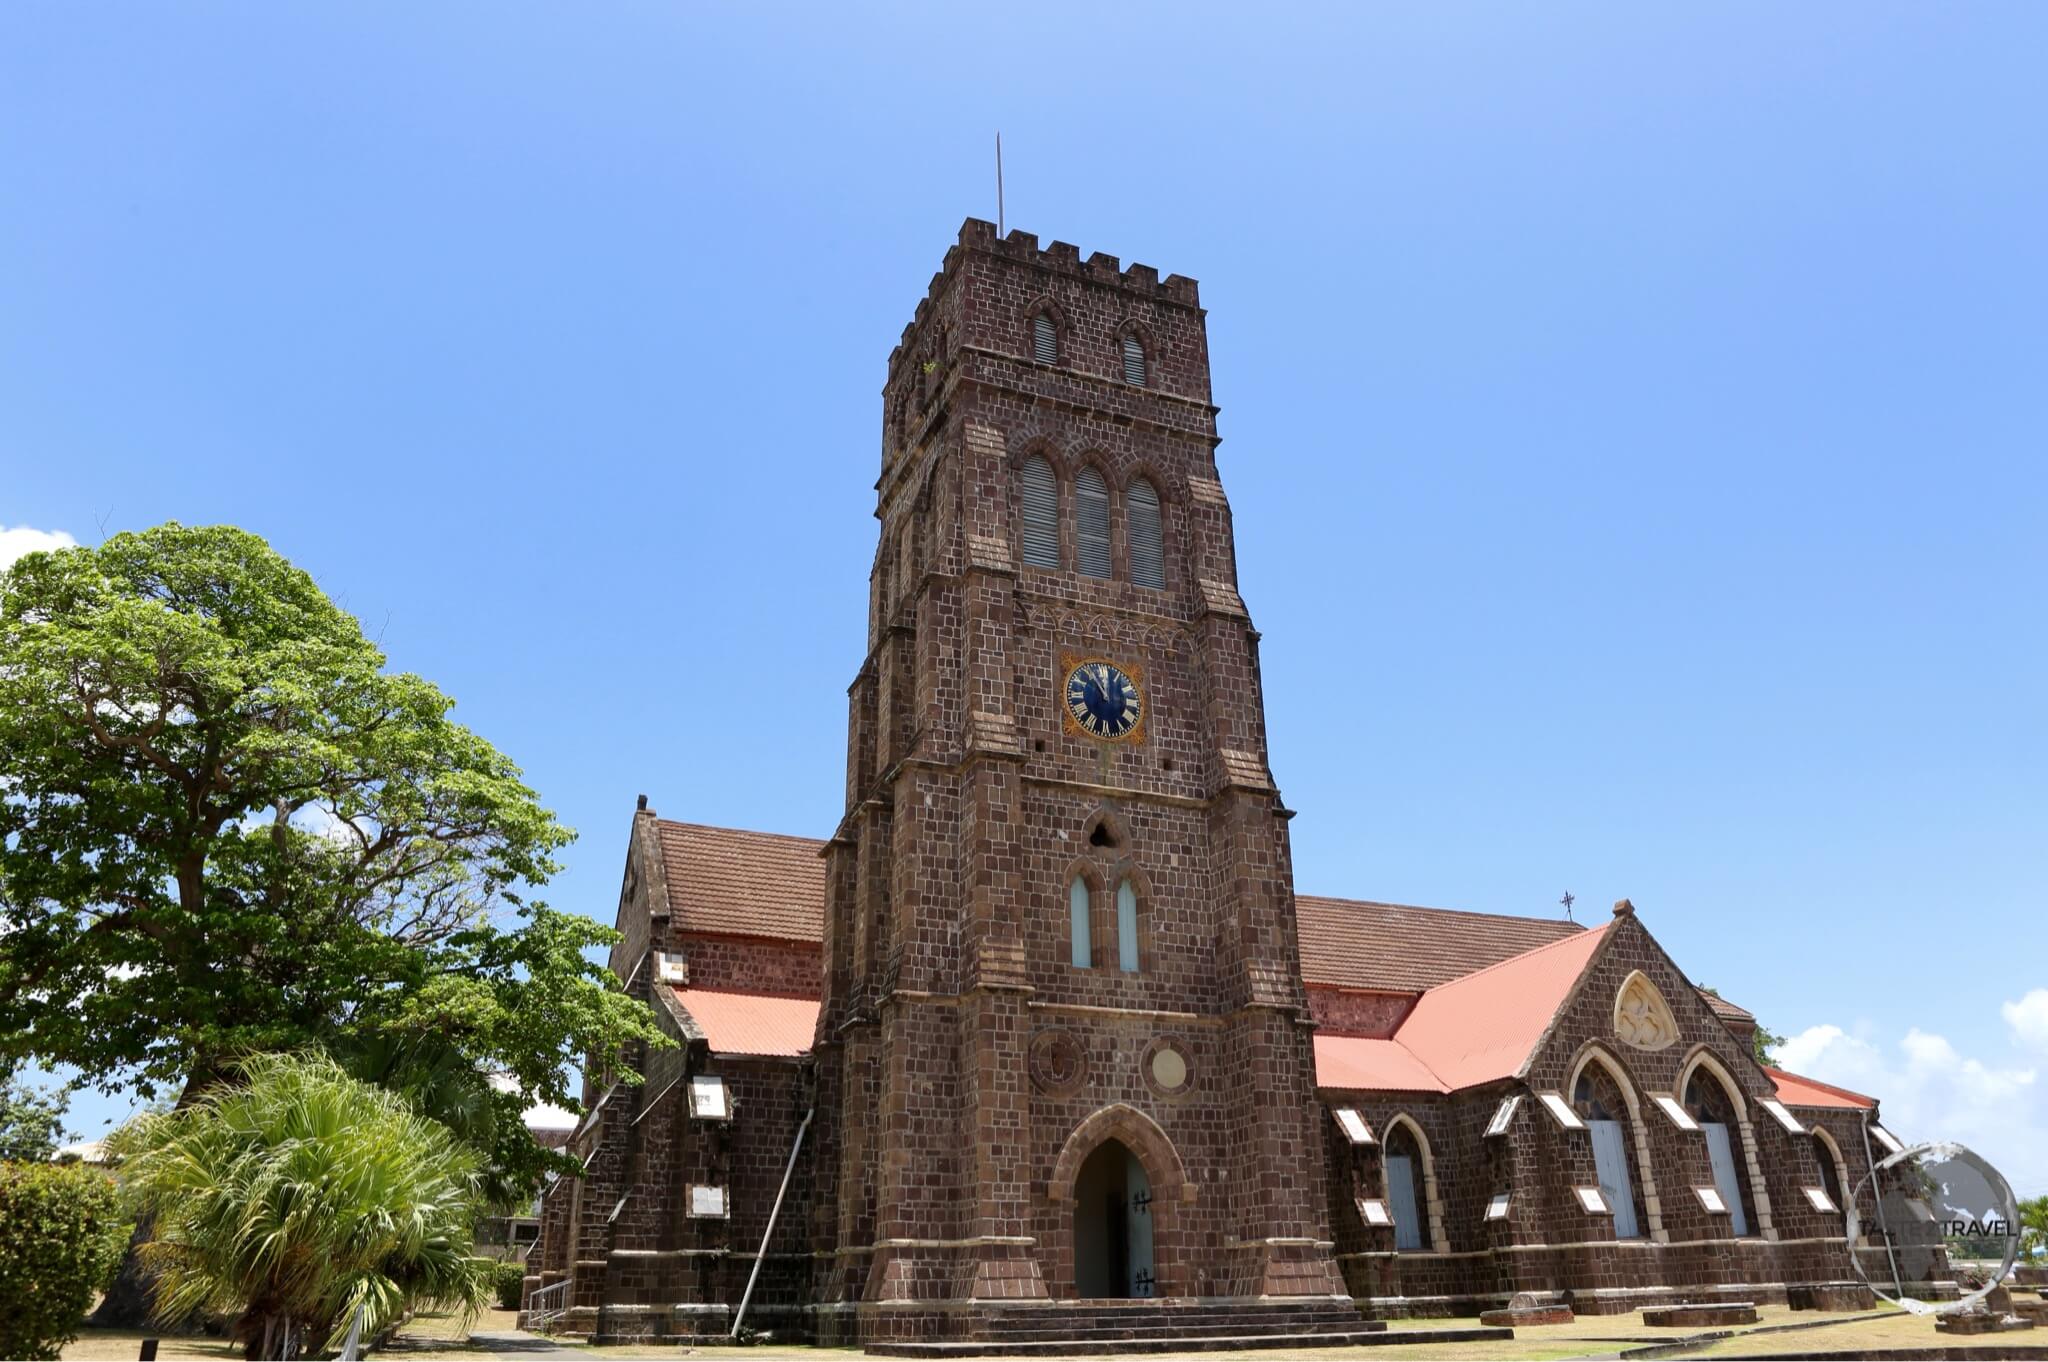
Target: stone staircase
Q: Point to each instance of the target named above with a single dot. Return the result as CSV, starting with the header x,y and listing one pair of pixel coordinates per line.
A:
x,y
1095,1328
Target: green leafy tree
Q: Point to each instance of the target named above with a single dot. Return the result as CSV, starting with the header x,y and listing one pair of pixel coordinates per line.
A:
x,y
226,828
298,1196
1763,1042
31,1121
2034,1226
60,1234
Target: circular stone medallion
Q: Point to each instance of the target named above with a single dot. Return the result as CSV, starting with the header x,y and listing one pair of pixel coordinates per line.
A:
x,y
1059,1062
1165,1067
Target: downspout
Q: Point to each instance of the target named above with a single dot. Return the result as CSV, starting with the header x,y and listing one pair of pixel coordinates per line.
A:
x,y
1877,1197
768,1233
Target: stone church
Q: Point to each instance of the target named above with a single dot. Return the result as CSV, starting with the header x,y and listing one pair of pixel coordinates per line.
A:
x,y
1040,1044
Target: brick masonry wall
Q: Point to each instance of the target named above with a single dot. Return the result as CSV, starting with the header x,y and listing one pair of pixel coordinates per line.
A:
x,y
751,964
1359,1012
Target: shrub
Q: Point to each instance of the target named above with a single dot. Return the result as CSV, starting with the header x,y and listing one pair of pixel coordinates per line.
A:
x,y
301,1197
60,1235
511,1285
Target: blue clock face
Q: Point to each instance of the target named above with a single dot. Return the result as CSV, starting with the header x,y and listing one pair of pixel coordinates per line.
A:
x,y
1104,701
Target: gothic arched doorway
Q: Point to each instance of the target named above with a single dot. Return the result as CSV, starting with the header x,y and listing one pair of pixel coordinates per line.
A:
x,y
1113,1226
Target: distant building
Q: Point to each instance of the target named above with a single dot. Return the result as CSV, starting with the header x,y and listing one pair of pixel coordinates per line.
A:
x,y
1042,1034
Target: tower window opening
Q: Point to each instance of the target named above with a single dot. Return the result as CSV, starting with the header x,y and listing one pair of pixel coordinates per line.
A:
x,y
1127,928
1041,514
1134,362
1045,340
1080,922
1101,836
1147,538
1091,523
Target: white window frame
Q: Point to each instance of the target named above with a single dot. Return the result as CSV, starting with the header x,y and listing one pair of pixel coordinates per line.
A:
x,y
1671,1107
1503,1115
1497,1209
1560,1110
1592,1201
1374,1212
1820,1200
671,969
1710,1197
1782,1115
710,1099
1355,1127
701,1202
1887,1139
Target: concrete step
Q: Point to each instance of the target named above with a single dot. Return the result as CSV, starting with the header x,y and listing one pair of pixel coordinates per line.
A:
x,y
1226,1328
1167,1342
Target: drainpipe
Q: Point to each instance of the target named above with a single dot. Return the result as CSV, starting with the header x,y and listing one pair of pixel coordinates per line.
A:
x,y
1877,1198
773,1212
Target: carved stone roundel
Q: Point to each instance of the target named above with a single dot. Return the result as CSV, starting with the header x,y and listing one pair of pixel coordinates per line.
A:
x,y
1059,1062
1641,1016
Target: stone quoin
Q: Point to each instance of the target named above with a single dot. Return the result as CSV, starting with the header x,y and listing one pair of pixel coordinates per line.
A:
x,y
1041,1043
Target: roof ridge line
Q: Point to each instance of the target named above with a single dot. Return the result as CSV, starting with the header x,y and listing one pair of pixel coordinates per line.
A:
x,y
1775,1072
1524,955
1454,912
743,832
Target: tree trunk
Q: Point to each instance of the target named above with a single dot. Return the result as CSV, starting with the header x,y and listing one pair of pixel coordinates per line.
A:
x,y
128,1303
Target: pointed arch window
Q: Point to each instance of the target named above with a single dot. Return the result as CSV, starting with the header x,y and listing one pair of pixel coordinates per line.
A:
x,y
1134,361
1080,924
1091,523
1708,1103
1147,536
1600,1104
1045,340
1127,928
1041,514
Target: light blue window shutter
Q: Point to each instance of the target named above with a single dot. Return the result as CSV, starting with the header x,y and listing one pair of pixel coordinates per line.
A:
x,y
1091,523
1401,1201
1127,928
1077,913
1721,1153
1148,539
1610,1164
1041,514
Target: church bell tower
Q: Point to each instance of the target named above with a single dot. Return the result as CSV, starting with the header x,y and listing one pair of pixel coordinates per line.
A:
x,y
1064,1049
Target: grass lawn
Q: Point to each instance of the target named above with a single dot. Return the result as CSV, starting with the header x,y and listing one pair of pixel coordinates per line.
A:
x,y
441,1338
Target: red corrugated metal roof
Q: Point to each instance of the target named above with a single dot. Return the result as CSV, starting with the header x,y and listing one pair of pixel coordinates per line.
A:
x,y
1797,1091
1481,1027
752,1023
1363,1064
1474,1029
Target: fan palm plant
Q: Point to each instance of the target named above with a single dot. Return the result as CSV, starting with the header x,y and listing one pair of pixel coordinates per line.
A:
x,y
298,1196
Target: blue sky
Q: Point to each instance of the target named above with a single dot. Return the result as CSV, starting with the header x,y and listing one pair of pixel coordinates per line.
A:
x,y
1633,418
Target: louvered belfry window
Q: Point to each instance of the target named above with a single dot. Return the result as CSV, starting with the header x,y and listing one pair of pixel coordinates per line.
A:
x,y
1091,523
1041,514
1148,541
1134,362
1045,340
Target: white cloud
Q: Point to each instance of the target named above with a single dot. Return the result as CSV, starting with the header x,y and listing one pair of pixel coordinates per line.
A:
x,y
1930,1090
2028,1019
21,539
